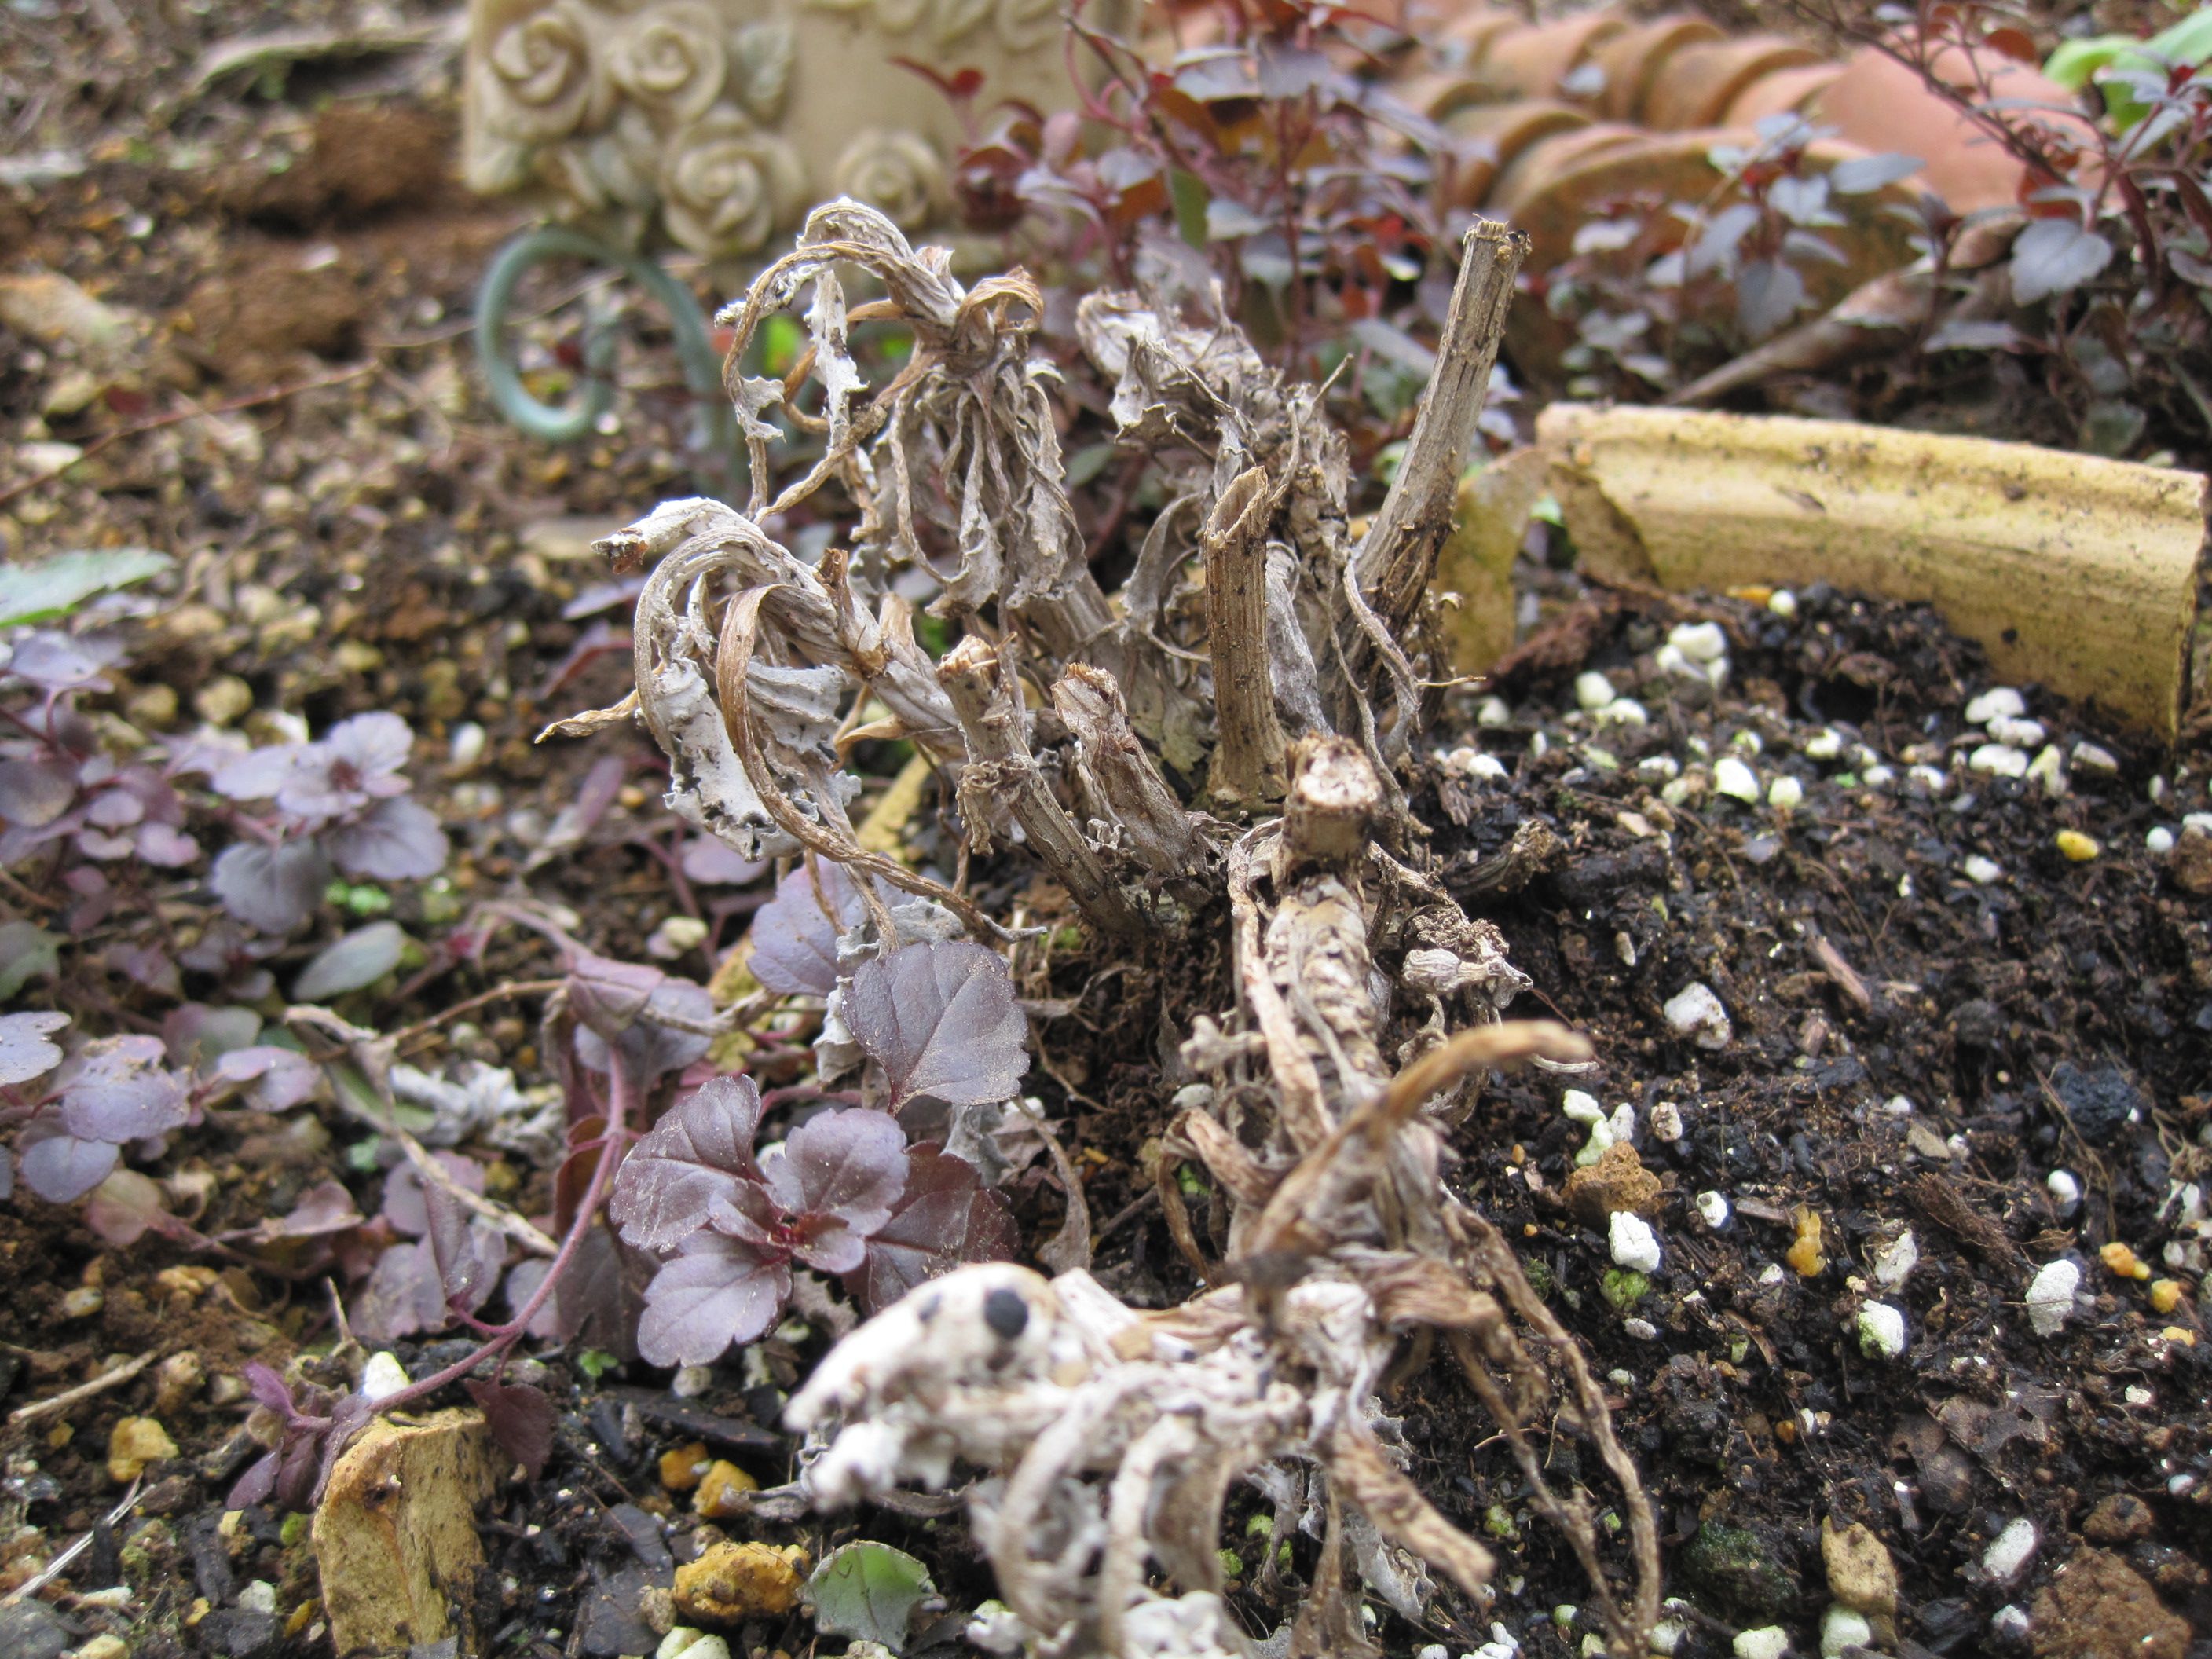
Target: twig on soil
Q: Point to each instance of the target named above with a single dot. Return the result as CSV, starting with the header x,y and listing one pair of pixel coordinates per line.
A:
x,y
372,1053
30,1587
179,416
98,1385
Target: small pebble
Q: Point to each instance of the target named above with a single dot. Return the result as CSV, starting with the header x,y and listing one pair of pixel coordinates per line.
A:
x,y
1783,603
684,1642
258,1596
1695,1012
1492,711
1999,760
2092,758
1621,711
133,1443
2010,1551
1634,1244
1732,778
1893,1262
1881,1331
1806,1256
722,1491
1998,702
681,1467
2065,1189
1713,1209
691,1380
1592,689
223,700
1843,1629
1785,795
467,752
674,936
2159,842
2165,1295
1877,775
2048,770
1933,779
1667,1122
2010,1623
382,1377
2020,733
1705,642
1982,871
83,1301
1642,1330
2123,1262
2196,823
2078,847
1766,1641
1825,744
2050,1296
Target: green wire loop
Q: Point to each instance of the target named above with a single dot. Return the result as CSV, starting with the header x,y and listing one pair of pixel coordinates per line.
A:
x,y
715,431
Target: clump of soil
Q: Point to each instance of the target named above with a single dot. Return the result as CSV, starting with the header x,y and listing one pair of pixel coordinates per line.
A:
x,y
359,159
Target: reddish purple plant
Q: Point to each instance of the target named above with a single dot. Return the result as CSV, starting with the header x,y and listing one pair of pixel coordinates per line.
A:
x,y
842,1195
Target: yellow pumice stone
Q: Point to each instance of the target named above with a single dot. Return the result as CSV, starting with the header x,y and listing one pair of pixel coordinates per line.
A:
x,y
2124,1261
2078,847
2166,1296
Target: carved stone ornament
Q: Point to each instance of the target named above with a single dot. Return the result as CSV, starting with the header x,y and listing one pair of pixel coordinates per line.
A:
x,y
715,124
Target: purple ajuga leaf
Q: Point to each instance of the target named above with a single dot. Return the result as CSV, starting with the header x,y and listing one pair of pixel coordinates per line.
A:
x,y
946,1217
325,1207
34,794
117,1089
403,1205
608,996
24,1051
198,1034
709,862
268,1387
55,662
351,964
356,762
692,1170
254,774
649,1049
276,1080
166,847
469,1253
256,1483
941,1020
59,1166
123,1207
838,1177
716,1290
520,1419
274,889
794,934
149,965
404,1294
114,809
601,1296
397,841
522,1282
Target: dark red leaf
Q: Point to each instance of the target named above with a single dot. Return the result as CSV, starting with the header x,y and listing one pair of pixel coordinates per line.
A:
x,y
948,1217
692,1170
520,1419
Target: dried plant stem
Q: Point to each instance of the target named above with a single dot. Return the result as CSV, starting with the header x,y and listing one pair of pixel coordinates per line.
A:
x,y
114,1378
1248,764
1001,768
1121,784
1396,564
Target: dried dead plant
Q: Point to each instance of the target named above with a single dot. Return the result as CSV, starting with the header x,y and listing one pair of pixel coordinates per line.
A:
x,y
1259,641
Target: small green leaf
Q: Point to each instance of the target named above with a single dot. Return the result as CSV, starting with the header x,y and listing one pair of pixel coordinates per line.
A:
x,y
596,1362
361,958
51,589
1188,193
869,1592
27,951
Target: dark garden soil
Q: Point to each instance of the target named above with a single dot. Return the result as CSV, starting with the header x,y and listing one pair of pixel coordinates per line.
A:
x,y
1931,1008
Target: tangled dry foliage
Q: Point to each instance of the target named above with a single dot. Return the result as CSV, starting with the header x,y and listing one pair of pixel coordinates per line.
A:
x,y
1103,1441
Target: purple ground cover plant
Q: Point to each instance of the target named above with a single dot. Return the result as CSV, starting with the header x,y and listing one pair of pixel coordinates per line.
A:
x,y
842,1195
